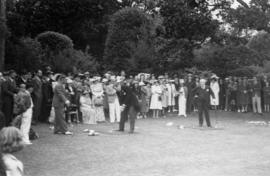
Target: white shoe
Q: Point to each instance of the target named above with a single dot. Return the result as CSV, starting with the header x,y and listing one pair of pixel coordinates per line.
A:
x,y
86,130
68,133
27,143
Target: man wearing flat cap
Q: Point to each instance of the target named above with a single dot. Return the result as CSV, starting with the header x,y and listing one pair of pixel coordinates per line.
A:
x,y
203,94
60,100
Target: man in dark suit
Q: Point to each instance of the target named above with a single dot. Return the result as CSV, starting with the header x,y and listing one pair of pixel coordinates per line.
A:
x,y
129,106
24,78
9,90
203,94
37,95
47,95
2,79
190,84
59,102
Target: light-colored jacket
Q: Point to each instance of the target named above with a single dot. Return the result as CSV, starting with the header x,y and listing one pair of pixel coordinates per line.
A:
x,y
111,93
59,97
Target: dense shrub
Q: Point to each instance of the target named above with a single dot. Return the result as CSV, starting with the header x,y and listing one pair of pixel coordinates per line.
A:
x,y
26,53
54,41
71,60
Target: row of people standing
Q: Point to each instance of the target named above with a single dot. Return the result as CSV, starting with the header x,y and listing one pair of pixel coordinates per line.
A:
x,y
245,95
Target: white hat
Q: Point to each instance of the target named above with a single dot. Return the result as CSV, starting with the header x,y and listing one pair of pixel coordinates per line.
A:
x,y
113,78
141,84
119,79
182,81
214,76
202,81
104,80
92,79
69,81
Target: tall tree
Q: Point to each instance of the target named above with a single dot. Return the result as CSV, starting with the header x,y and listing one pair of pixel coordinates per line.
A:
x,y
3,32
84,21
188,24
129,30
246,17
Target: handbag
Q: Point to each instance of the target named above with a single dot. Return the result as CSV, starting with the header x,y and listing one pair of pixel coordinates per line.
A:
x,y
98,101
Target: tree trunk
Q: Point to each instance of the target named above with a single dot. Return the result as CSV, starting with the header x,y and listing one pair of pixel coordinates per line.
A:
x,y
2,37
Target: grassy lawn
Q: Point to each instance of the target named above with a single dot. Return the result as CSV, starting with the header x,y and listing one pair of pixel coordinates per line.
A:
x,y
237,149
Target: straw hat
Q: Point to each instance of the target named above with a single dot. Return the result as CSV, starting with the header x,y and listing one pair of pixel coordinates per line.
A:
x,y
182,81
141,84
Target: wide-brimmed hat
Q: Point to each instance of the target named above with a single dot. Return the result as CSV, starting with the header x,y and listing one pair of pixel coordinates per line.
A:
x,y
160,77
104,80
214,77
182,81
202,80
141,84
69,81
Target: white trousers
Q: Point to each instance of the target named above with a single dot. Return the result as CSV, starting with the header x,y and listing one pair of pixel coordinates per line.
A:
x,y
26,124
115,111
256,104
182,106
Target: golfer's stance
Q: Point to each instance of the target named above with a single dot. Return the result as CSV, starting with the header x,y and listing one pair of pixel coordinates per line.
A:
x,y
203,94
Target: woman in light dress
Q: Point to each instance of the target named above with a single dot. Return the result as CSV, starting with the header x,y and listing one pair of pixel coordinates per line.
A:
x,y
87,108
182,99
171,94
156,99
97,97
165,96
215,88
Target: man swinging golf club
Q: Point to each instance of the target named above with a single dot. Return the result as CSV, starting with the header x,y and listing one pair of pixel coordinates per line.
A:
x,y
203,94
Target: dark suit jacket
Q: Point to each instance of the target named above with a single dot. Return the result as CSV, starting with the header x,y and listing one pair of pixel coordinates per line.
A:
x,y
127,97
59,97
9,88
37,83
47,92
256,89
20,80
204,94
1,97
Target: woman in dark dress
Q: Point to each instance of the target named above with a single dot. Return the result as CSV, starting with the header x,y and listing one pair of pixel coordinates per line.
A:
x,y
245,100
266,96
177,86
232,99
222,94
239,95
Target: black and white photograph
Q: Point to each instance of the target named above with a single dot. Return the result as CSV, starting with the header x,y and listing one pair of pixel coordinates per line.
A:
x,y
134,87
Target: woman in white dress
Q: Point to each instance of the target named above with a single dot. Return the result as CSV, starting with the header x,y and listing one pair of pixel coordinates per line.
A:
x,y
156,101
215,88
171,95
98,93
182,100
87,109
164,97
